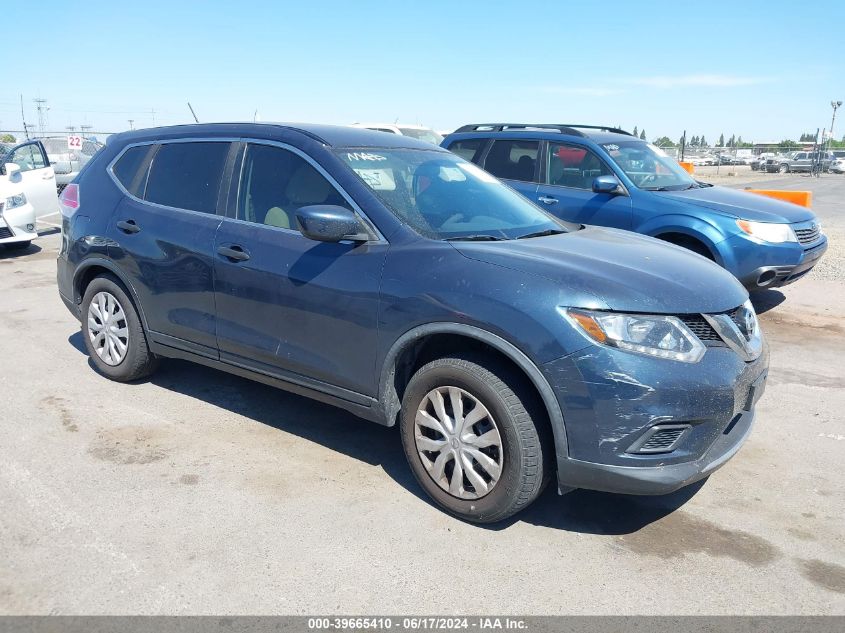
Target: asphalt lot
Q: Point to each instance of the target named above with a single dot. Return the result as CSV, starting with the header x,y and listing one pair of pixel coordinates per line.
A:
x,y
199,492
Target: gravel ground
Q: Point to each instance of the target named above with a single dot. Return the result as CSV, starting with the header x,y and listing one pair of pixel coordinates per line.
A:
x,y
195,492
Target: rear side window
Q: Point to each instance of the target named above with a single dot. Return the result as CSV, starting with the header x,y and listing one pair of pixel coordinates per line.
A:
x,y
469,149
513,160
187,175
131,169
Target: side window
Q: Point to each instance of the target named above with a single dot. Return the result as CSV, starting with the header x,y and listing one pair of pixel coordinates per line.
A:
x,y
275,182
514,160
131,169
28,157
187,175
469,149
574,166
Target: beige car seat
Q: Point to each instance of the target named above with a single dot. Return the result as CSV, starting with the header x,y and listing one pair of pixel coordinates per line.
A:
x,y
306,186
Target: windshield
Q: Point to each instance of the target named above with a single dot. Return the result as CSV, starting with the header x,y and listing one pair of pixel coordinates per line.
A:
x,y
649,167
442,196
423,134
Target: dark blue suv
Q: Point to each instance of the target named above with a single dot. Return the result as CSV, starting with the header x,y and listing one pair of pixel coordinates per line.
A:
x,y
394,279
606,176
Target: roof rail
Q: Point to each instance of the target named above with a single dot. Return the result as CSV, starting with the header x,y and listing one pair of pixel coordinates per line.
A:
x,y
563,128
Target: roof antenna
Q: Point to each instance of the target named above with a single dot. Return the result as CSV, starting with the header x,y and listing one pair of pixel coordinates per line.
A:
x,y
194,114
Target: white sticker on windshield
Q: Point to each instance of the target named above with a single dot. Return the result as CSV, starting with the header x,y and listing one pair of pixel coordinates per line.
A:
x,y
476,171
378,179
611,147
452,174
364,156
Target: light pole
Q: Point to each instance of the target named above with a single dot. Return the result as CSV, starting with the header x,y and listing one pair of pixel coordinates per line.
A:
x,y
834,105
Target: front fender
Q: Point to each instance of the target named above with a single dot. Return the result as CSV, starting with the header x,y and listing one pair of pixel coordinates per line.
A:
x,y
707,233
389,397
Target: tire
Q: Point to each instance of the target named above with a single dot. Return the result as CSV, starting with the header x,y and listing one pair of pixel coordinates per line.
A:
x,y
524,451
137,361
783,169
18,246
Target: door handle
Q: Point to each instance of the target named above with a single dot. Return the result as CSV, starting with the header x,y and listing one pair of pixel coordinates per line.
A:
x,y
128,226
47,176
233,252
547,200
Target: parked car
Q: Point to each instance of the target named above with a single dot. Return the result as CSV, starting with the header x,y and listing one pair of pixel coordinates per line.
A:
x,y
17,215
26,171
66,163
414,131
837,165
394,279
605,176
799,162
758,163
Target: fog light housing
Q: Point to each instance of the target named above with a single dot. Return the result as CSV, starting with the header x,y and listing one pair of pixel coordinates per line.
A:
x,y
30,227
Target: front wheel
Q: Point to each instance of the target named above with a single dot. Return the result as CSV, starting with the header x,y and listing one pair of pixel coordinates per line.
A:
x,y
783,169
471,432
113,333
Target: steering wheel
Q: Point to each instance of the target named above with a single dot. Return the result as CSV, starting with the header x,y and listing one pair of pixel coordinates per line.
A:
x,y
647,179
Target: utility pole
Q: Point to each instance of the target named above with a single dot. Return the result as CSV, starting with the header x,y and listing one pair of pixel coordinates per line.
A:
x,y
85,128
131,124
71,128
23,121
41,107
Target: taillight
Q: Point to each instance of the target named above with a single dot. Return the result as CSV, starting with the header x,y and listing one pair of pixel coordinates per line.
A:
x,y
69,200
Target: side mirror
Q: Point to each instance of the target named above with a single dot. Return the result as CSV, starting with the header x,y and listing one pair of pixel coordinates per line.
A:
x,y
13,171
608,184
329,223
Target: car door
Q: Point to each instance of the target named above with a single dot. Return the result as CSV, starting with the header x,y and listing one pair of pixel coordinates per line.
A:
x,y
516,162
162,235
566,189
288,306
37,176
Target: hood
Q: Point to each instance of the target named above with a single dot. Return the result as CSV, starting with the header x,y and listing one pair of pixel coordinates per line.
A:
x,y
624,271
741,204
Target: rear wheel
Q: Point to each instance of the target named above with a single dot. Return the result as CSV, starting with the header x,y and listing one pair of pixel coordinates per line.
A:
x,y
114,336
470,432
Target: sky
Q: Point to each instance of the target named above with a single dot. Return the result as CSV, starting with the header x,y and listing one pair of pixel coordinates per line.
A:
x,y
763,70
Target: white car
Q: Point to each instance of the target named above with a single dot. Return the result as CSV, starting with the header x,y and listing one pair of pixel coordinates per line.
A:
x,y
27,192
416,131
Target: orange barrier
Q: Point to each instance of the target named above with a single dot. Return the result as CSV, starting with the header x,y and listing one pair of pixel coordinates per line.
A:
x,y
688,166
802,198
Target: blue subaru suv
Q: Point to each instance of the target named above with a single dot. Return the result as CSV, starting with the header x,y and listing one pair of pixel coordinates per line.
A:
x,y
398,281
608,177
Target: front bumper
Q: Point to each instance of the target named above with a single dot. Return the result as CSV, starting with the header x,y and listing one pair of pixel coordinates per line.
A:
x,y
774,275
611,399
18,224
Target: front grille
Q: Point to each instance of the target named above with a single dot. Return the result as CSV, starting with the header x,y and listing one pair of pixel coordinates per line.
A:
x,y
5,232
808,235
700,327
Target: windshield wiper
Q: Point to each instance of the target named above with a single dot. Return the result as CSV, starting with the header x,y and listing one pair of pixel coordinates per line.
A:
x,y
474,238
541,233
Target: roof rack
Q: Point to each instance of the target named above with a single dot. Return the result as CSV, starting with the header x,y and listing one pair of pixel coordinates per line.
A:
x,y
563,128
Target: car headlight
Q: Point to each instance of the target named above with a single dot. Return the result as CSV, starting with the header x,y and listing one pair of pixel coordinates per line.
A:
x,y
13,202
767,231
653,335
